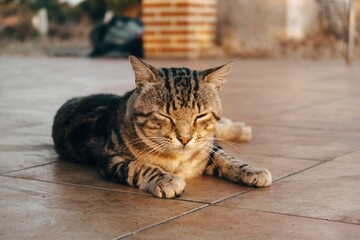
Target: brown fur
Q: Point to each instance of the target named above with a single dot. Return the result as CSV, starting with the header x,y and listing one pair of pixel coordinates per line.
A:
x,y
157,135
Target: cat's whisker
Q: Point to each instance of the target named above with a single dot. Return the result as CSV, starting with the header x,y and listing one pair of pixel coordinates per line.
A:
x,y
160,151
210,159
227,142
211,148
146,141
148,150
139,140
151,152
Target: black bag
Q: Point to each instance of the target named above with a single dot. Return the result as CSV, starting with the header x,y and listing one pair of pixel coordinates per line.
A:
x,y
121,36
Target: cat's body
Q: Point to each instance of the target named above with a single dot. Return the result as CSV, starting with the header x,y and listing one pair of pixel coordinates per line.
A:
x,y
94,126
157,135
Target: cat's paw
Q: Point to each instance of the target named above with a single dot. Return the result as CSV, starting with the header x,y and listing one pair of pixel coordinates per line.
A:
x,y
255,177
245,133
167,186
234,131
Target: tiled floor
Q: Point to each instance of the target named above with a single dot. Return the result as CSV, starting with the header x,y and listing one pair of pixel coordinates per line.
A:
x,y
306,121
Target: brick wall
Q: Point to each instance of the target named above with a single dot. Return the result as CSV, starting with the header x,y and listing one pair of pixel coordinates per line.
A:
x,y
179,28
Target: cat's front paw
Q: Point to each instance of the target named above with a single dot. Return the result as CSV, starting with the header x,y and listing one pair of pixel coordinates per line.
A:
x,y
255,177
167,186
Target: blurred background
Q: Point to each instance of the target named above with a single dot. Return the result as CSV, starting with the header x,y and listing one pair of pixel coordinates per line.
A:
x,y
181,28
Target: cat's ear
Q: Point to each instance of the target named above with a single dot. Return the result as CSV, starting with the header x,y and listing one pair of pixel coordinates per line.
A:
x,y
216,76
144,73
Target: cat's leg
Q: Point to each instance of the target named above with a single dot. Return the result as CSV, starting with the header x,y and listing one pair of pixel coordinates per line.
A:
x,y
141,175
223,165
233,131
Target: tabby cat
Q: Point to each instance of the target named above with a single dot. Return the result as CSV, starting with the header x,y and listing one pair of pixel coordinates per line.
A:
x,y
157,135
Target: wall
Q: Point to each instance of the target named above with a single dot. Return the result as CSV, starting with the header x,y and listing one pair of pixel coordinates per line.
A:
x,y
255,27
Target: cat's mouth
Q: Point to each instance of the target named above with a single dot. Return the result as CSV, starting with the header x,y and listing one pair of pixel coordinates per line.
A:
x,y
184,148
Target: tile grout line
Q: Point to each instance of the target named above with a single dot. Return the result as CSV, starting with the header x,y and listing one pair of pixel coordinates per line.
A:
x,y
252,189
292,215
191,201
100,188
238,152
162,222
76,185
315,165
206,205
282,157
44,164
279,156
341,155
215,203
289,175
194,210
303,159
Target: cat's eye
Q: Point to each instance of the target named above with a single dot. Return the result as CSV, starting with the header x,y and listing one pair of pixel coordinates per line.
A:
x,y
200,116
165,116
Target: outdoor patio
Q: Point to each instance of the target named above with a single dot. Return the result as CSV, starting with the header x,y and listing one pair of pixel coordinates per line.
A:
x,y
306,121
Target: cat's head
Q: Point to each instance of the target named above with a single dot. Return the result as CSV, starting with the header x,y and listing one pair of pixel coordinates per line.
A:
x,y
177,108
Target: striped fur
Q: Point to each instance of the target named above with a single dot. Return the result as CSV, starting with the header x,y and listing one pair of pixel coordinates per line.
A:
x,y
156,135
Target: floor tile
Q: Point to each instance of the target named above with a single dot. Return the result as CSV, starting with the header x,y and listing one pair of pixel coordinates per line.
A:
x,y
337,79
249,104
20,158
72,173
328,191
278,166
41,89
302,113
14,118
203,189
37,210
300,143
12,138
27,121
228,223
353,157
209,189
341,115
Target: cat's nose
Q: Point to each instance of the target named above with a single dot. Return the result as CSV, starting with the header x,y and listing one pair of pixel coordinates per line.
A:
x,y
184,139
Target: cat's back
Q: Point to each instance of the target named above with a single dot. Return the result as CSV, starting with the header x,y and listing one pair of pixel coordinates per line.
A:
x,y
82,108
79,120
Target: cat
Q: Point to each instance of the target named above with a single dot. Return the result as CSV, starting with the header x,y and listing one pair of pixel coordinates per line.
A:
x,y
157,135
